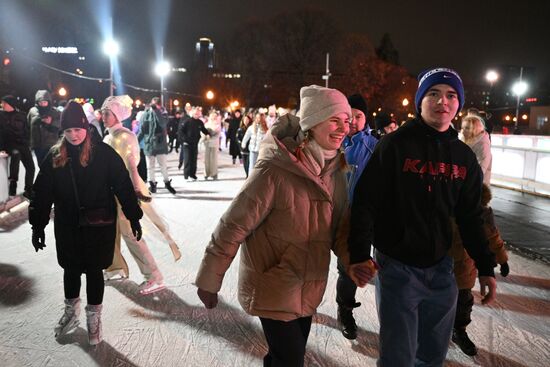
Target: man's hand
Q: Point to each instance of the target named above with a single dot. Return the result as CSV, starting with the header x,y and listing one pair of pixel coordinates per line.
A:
x,y
504,269
490,283
142,197
210,300
362,273
38,239
136,229
47,120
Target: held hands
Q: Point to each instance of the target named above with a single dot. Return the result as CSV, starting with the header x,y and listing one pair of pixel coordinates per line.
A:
x,y
136,229
38,239
504,269
210,300
362,273
142,197
490,283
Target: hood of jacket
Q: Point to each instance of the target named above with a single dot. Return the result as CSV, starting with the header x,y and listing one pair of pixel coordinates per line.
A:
x,y
43,95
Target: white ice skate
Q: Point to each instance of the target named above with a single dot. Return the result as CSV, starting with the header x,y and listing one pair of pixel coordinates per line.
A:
x,y
93,321
150,286
114,275
69,320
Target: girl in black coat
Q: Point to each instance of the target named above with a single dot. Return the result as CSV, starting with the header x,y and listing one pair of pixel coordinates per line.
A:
x,y
81,179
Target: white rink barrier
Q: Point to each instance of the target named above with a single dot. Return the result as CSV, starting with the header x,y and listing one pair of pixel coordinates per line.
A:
x,y
521,162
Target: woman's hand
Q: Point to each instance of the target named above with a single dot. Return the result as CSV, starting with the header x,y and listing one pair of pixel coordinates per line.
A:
x,y
210,300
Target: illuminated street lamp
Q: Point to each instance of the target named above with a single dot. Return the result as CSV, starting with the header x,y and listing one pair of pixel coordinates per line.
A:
x,y
111,49
162,69
491,76
62,92
405,102
210,95
519,88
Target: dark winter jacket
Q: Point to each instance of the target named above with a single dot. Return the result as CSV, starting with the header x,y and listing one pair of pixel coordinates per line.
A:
x,y
234,147
190,131
43,136
172,127
14,131
104,177
416,181
153,132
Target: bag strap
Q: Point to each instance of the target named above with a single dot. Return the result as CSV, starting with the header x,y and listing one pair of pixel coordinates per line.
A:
x,y
74,184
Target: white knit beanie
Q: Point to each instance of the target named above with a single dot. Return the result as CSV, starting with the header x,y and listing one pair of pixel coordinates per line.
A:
x,y
121,106
318,104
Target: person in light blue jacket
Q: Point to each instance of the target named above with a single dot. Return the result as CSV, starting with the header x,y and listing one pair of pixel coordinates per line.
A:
x,y
358,148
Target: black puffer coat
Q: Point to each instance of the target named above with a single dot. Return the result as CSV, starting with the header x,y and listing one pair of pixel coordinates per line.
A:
x,y
14,131
104,177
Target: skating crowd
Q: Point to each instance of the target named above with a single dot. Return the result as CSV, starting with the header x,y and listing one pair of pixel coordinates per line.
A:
x,y
405,207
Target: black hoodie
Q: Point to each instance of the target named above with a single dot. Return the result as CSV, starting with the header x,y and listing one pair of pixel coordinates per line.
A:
x,y
417,179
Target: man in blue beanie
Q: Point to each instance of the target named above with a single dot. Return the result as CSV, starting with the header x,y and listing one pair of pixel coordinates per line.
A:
x,y
422,176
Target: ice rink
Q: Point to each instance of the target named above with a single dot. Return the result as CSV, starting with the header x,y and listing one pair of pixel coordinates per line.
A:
x,y
171,328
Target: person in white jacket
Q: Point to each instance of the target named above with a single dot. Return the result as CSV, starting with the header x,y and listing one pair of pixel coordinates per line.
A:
x,y
473,133
212,145
255,134
125,143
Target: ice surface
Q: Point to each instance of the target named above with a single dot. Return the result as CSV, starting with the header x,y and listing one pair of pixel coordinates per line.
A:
x,y
171,328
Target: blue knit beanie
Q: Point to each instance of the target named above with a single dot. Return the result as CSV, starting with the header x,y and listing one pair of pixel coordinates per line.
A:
x,y
431,77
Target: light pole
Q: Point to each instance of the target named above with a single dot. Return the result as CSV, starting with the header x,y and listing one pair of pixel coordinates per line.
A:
x,y
491,76
111,49
519,88
162,69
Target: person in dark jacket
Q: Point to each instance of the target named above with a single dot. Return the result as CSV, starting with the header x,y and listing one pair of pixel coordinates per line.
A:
x,y
245,153
81,179
153,132
173,124
190,133
43,120
14,142
234,146
358,148
422,177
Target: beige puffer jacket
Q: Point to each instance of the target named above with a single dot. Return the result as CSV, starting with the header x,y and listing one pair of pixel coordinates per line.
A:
x,y
287,220
464,266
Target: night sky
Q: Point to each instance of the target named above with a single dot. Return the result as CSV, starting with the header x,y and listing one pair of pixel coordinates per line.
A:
x,y
470,36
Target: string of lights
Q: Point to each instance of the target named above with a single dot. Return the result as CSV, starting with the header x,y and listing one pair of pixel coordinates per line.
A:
x,y
101,80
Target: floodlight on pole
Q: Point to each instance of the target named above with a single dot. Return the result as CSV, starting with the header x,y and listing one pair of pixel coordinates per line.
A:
x,y
111,49
519,88
162,68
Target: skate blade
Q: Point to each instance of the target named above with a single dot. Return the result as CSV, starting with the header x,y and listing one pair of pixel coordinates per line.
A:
x,y
67,329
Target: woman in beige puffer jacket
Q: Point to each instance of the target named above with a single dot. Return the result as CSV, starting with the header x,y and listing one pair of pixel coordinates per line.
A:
x,y
288,217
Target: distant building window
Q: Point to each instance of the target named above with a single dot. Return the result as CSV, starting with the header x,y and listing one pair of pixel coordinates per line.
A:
x,y
541,122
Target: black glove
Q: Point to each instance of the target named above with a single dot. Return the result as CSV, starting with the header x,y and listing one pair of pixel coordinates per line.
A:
x,y
136,229
504,269
38,238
